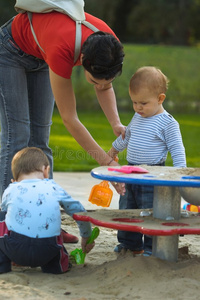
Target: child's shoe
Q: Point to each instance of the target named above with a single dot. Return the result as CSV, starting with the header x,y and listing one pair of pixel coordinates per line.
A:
x,y
147,253
119,248
138,252
69,238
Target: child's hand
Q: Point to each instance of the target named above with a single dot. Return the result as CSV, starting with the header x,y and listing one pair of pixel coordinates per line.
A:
x,y
120,187
86,247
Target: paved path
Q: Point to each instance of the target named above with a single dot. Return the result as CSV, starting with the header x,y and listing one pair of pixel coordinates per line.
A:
x,y
79,185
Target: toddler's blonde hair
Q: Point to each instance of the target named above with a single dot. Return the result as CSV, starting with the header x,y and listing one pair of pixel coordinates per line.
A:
x,y
150,78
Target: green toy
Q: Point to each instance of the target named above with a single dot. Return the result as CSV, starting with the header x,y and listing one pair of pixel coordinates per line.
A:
x,y
78,254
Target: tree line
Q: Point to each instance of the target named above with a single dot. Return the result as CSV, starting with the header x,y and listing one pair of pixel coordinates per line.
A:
x,y
170,22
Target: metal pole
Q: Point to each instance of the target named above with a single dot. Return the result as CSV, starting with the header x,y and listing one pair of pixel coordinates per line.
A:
x,y
166,206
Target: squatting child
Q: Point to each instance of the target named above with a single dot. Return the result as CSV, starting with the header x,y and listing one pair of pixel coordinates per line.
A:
x,y
30,218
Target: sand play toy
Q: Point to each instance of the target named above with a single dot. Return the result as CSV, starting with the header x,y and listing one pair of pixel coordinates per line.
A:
x,y
78,254
129,169
101,194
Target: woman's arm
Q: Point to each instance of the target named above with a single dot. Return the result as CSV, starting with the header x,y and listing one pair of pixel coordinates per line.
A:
x,y
107,101
66,103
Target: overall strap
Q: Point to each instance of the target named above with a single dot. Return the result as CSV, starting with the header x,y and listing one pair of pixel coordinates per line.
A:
x,y
78,36
33,32
90,26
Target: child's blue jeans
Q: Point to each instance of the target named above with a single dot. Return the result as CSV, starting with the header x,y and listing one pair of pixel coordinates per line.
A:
x,y
136,197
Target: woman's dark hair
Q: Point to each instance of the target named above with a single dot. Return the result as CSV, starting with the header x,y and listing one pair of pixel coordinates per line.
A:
x,y
102,55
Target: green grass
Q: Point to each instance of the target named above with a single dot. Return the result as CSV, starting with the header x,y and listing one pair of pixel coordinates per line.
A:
x,y
69,156
179,64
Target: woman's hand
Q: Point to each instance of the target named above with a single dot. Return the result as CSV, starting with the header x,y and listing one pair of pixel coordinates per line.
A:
x,y
119,129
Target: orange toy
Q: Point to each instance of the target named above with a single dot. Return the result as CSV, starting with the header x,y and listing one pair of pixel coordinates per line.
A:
x,y
101,194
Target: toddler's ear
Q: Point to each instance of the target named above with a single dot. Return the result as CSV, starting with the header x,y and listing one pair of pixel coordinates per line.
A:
x,y
161,98
46,171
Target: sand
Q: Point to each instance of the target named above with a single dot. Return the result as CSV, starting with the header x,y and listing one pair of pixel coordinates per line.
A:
x,y
106,275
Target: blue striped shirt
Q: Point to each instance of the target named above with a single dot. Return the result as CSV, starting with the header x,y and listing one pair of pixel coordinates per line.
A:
x,y
148,140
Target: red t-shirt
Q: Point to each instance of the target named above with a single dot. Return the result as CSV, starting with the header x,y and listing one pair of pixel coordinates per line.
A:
x,y
56,35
